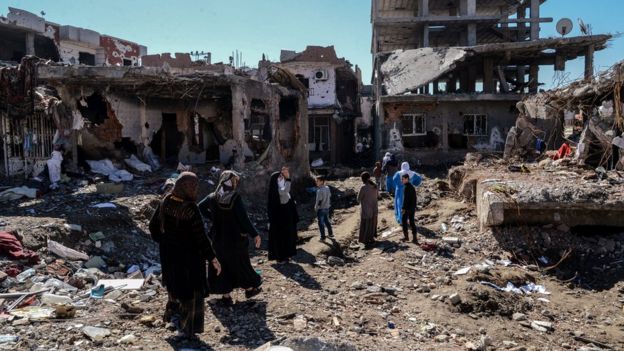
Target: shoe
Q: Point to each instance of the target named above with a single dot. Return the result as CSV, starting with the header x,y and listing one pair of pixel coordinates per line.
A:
x,y
322,239
252,292
226,301
331,236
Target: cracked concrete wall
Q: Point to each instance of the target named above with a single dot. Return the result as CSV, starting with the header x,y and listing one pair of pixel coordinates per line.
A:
x,y
321,93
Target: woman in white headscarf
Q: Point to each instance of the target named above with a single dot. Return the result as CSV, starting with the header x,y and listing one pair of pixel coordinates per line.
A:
x,y
414,178
230,233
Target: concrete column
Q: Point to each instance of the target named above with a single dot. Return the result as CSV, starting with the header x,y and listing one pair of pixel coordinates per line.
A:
x,y
521,25
535,14
472,79
436,87
488,75
533,78
240,109
520,76
589,62
30,43
425,36
378,118
471,7
445,132
451,85
472,34
423,8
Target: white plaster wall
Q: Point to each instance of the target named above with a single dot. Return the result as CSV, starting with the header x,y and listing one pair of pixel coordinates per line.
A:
x,y
70,52
366,106
322,93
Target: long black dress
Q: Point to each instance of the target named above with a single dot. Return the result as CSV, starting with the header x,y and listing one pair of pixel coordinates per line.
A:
x,y
230,233
283,220
184,250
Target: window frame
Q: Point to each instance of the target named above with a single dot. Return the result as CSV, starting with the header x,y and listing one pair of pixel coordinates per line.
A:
x,y
413,117
475,123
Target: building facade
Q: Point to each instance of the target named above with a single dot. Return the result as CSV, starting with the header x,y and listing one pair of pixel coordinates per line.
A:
x,y
448,74
333,101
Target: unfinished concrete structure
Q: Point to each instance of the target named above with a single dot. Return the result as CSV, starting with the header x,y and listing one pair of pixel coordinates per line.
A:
x,y
23,33
114,112
333,100
447,74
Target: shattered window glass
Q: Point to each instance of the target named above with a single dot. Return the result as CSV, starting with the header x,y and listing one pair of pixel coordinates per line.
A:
x,y
475,125
413,124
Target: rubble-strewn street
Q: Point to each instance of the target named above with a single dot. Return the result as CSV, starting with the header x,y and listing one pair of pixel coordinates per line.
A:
x,y
395,296
164,199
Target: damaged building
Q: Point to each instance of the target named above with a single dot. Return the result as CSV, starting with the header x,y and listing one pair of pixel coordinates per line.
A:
x,y
333,88
23,33
98,113
587,116
448,74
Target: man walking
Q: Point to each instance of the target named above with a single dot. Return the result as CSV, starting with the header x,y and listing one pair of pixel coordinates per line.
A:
x,y
408,210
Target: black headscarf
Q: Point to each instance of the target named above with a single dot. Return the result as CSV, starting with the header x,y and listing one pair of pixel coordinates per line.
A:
x,y
274,198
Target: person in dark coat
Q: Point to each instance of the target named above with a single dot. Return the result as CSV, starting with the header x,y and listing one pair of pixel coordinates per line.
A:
x,y
283,218
408,209
230,233
367,198
178,227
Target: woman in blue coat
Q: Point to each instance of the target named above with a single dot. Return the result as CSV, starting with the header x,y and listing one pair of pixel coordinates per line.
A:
x,y
415,179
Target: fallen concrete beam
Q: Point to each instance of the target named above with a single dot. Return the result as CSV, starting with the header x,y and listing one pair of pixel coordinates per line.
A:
x,y
529,202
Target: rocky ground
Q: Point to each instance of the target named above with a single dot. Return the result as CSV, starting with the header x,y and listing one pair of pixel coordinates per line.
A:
x,y
396,296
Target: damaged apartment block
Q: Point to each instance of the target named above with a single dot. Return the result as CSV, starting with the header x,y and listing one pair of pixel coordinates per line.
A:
x,y
448,74
92,97
333,88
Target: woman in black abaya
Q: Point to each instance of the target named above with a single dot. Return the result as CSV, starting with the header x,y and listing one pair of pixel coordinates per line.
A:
x,y
230,233
283,218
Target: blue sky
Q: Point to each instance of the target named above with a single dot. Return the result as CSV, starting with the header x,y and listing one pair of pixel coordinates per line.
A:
x,y
267,26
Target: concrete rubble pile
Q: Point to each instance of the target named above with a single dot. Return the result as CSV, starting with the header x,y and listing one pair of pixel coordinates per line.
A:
x,y
587,115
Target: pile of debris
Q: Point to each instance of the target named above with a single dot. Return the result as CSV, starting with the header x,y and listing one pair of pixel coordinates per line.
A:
x,y
586,116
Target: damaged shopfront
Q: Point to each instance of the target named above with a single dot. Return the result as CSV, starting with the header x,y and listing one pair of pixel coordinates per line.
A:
x,y
97,113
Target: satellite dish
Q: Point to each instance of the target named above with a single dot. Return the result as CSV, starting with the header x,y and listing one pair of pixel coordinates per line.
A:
x,y
564,26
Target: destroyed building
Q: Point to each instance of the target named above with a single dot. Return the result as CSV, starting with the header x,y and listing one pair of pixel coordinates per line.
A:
x,y
23,33
333,88
448,74
113,112
587,115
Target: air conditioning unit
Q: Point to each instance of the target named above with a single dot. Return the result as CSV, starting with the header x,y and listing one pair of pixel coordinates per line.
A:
x,y
321,74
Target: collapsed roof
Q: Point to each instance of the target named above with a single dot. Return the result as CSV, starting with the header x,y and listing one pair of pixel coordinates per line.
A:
x,y
580,93
404,71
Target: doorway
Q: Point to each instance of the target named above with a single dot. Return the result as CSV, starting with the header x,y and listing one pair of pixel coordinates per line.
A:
x,y
168,140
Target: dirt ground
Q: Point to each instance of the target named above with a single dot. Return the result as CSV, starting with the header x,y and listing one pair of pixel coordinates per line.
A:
x,y
395,296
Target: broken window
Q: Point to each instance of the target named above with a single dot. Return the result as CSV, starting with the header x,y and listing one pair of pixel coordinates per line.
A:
x,y
413,124
475,125
127,62
318,134
85,58
305,81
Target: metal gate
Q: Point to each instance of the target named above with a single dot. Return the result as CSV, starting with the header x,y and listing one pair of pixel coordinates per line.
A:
x,y
26,143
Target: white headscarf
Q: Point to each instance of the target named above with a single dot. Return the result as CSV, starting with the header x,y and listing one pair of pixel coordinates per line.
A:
x,y
405,169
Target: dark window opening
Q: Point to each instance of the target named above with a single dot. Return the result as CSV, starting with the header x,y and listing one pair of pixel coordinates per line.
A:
x,y
475,125
305,81
127,62
85,58
318,134
94,108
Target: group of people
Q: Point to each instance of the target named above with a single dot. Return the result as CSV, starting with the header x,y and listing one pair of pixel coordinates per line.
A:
x,y
185,247
399,183
196,263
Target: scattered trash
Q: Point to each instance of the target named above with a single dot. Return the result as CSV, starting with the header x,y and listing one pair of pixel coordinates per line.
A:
x,y
109,188
136,164
317,163
73,227
95,333
53,300
25,275
34,312
462,271
123,284
525,289
65,252
17,193
97,236
105,205
106,167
